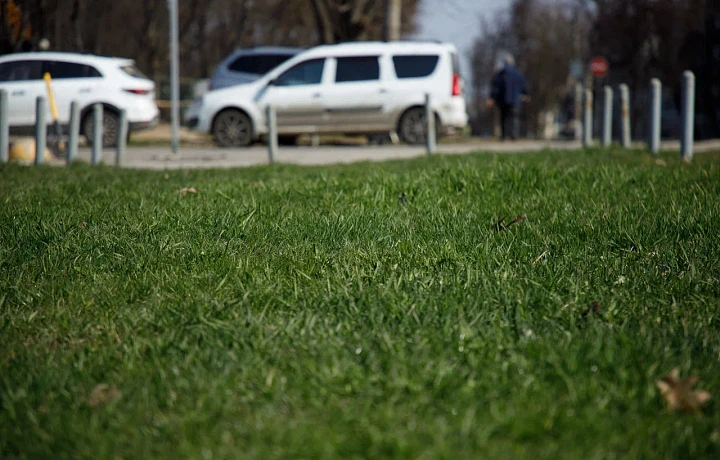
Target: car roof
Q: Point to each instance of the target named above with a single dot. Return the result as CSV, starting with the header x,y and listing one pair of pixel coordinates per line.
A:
x,y
58,55
405,46
269,50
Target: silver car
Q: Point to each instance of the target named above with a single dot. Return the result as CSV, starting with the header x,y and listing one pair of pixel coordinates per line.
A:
x,y
247,65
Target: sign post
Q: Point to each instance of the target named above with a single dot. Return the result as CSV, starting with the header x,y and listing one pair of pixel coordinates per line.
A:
x,y
174,74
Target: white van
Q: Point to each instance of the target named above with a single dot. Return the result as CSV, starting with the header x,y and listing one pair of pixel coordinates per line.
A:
x,y
361,87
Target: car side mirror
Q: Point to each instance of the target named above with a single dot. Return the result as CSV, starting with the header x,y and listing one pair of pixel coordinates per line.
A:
x,y
272,82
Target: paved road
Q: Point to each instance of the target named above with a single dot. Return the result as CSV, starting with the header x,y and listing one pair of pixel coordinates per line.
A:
x,y
191,157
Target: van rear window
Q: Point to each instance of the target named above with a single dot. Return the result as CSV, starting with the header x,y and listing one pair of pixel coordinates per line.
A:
x,y
415,66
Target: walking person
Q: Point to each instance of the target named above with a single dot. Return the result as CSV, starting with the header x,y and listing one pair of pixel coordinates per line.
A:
x,y
508,92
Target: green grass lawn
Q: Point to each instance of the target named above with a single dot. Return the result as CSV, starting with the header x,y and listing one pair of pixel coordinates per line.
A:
x,y
362,311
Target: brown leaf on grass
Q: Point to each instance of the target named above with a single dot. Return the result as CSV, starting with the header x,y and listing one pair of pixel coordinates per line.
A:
x,y
186,190
594,308
501,225
83,225
679,393
102,394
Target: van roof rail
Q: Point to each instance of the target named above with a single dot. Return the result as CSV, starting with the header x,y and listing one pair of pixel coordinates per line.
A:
x,y
404,40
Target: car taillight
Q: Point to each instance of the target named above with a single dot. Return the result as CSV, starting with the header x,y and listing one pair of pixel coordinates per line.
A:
x,y
456,85
140,92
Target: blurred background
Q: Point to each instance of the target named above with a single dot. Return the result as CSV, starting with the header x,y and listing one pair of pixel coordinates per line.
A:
x,y
553,42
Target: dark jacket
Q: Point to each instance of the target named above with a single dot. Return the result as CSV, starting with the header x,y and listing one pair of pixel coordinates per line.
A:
x,y
508,87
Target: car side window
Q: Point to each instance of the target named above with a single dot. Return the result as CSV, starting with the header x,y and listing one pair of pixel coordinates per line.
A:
x,y
259,64
415,66
61,70
357,68
246,64
21,71
305,73
271,61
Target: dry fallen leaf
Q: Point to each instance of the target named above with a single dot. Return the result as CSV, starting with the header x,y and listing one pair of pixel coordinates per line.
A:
x,y
500,225
594,309
186,190
679,393
83,225
103,394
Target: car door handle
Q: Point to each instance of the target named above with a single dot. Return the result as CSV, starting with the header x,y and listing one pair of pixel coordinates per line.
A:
x,y
317,96
383,91
85,90
18,93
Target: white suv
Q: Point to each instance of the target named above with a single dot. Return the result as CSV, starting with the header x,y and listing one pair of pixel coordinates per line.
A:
x,y
363,87
116,83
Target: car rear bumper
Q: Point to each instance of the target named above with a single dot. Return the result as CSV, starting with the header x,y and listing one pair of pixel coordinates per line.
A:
x,y
143,125
453,114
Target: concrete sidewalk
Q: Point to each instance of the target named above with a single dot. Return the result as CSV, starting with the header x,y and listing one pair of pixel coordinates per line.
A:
x,y
194,157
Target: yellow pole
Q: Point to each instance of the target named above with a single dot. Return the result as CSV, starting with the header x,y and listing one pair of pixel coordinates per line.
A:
x,y
59,143
51,96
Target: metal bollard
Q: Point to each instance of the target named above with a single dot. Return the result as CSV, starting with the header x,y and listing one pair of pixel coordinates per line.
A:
x,y
40,130
97,140
74,134
588,122
431,142
271,117
655,115
578,125
688,116
625,115
4,127
122,139
608,119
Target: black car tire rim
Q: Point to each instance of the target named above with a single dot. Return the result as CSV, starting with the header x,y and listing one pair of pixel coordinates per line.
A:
x,y
233,129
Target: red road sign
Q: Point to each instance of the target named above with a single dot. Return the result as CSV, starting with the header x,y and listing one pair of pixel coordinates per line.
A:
x,y
599,66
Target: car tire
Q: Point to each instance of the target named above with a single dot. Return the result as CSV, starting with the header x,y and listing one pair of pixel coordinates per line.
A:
x,y
111,128
412,128
232,128
287,140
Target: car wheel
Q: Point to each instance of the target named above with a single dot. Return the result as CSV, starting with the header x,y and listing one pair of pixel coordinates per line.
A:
x,y
413,126
287,140
232,128
111,128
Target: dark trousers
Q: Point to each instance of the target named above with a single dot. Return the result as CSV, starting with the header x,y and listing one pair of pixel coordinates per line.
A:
x,y
510,121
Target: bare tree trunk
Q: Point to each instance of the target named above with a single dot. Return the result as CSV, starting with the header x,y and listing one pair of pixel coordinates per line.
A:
x,y
392,18
324,22
76,25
